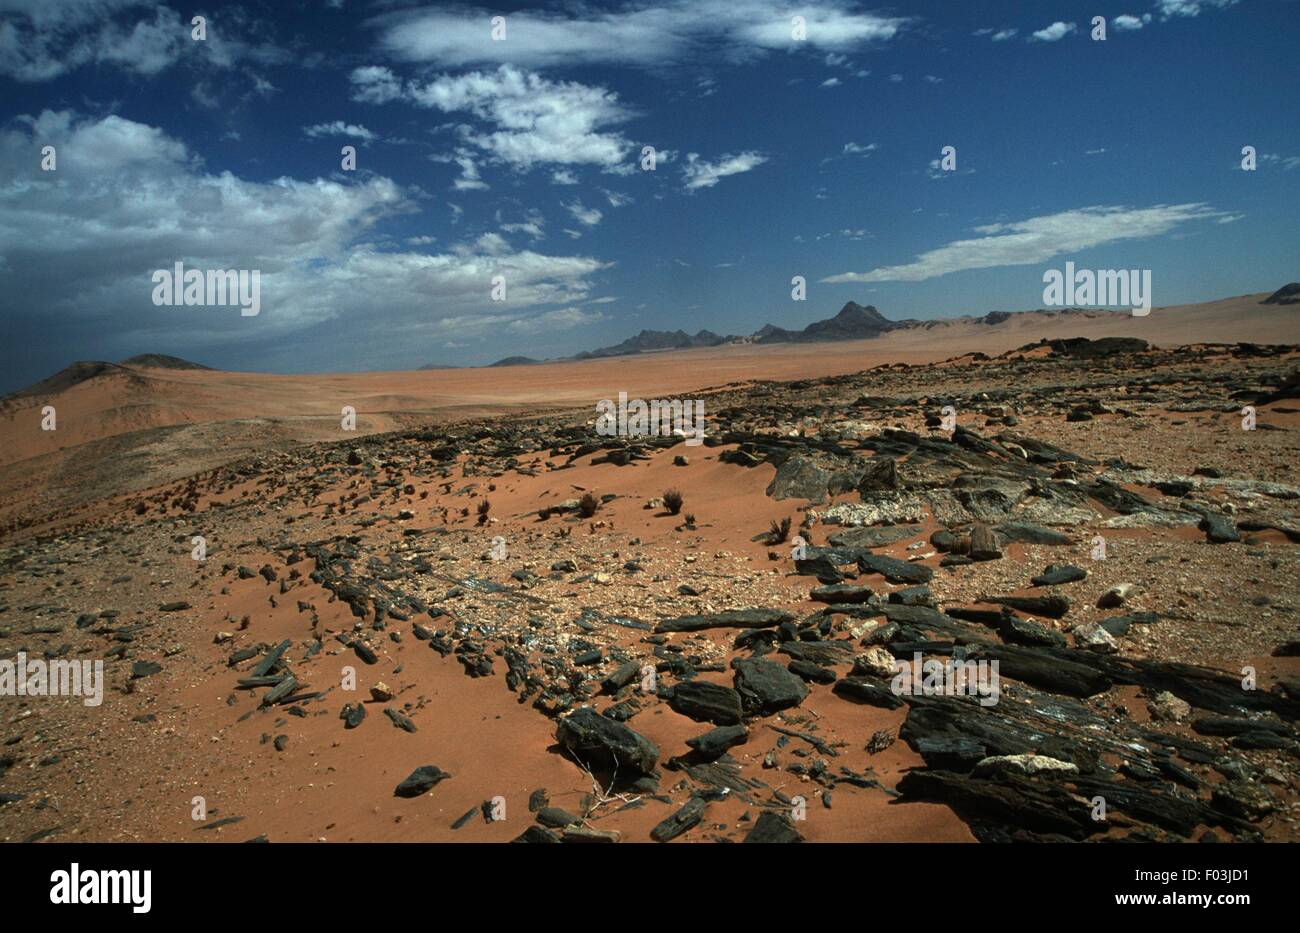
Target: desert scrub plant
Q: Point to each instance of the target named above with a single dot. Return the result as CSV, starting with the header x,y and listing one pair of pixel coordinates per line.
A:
x,y
588,505
673,501
779,532
483,508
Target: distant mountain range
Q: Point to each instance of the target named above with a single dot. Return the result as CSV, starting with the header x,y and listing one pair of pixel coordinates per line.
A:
x,y
853,322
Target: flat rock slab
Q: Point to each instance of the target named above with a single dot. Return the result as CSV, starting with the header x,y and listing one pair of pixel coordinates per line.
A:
x,y
766,687
1053,607
872,536
599,742
713,743
1057,574
772,827
684,819
867,691
706,702
732,618
895,570
842,593
1025,533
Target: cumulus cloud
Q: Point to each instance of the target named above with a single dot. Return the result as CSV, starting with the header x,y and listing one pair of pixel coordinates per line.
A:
x,y
127,199
44,39
1172,8
587,216
1127,23
637,33
338,128
556,319
702,174
1037,239
1055,32
523,118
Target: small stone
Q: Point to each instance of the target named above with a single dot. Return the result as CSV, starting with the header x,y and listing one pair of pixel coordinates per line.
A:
x,y
1165,707
420,781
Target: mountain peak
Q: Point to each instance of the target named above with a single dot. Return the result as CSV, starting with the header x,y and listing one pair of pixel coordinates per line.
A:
x,y
854,311
1286,295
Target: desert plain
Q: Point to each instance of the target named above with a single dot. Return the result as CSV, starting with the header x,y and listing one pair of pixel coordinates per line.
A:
x,y
475,618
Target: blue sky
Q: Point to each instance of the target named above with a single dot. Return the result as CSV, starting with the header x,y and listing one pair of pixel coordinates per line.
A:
x,y
521,157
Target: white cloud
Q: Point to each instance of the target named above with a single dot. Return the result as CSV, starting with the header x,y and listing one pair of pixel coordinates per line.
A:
x,y
1002,35
1055,32
525,118
1127,23
127,200
1037,239
338,128
556,319
532,228
831,82
44,39
701,174
641,34
469,178
858,149
1171,8
563,177
587,216
1272,158
375,84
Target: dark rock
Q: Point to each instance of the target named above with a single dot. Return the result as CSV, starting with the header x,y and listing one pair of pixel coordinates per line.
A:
x,y
894,570
556,818
766,687
774,828
799,478
841,593
353,714
1053,607
706,702
1219,528
868,691
600,743
688,817
1028,632
1057,574
811,673
420,781
715,742
400,720
1025,533
732,618
142,669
